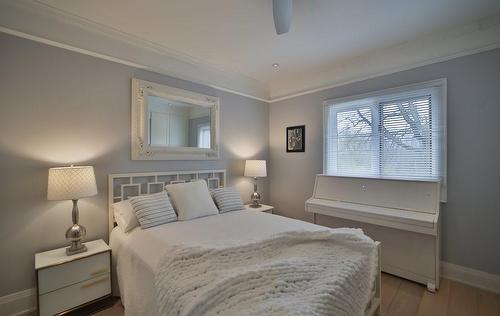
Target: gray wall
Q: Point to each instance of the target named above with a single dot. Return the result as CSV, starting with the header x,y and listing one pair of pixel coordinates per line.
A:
x,y
59,107
471,217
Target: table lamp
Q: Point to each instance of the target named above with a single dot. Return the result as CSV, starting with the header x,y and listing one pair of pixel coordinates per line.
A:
x,y
72,183
255,169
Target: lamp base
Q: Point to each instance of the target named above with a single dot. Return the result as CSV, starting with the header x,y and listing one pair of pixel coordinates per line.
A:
x,y
254,205
75,234
255,198
75,248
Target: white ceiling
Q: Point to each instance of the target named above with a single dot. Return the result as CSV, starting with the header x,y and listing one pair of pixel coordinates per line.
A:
x,y
238,37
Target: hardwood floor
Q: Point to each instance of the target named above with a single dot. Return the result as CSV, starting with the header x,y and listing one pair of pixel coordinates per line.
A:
x,y
401,298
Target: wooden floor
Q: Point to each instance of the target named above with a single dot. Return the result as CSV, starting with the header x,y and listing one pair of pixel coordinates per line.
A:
x,y
401,298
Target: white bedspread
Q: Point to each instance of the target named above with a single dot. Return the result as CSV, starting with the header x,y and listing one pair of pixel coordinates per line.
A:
x,y
137,255
295,273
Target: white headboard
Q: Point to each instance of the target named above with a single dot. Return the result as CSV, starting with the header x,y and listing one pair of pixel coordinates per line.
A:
x,y
124,185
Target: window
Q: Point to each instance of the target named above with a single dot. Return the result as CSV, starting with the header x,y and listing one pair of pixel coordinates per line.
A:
x,y
204,136
397,133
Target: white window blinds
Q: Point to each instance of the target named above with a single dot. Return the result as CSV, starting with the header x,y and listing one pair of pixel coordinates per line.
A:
x,y
351,142
397,134
408,143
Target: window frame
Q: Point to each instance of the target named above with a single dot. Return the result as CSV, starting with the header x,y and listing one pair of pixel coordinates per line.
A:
x,y
438,90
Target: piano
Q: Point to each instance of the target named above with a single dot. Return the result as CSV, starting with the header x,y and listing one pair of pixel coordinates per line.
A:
x,y
402,214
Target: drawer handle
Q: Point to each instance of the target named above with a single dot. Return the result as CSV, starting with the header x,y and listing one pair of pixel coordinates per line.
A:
x,y
94,282
96,272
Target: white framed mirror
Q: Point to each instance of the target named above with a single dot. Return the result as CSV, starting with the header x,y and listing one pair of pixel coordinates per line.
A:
x,y
173,124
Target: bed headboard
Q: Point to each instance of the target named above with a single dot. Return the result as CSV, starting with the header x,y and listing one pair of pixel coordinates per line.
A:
x,y
124,185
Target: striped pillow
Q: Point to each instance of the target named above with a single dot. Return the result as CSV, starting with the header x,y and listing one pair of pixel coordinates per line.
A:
x,y
227,199
153,209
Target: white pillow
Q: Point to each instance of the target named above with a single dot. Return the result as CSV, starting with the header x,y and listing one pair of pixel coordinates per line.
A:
x,y
125,216
191,200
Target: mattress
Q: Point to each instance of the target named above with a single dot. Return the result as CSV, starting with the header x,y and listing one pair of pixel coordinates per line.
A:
x,y
136,254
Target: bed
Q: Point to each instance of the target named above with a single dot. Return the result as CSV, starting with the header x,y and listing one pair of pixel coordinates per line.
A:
x,y
137,254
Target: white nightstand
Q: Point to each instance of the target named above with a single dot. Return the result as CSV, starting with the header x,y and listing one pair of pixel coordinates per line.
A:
x,y
65,283
262,208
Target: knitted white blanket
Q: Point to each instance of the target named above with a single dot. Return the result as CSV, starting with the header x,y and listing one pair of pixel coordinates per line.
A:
x,y
295,273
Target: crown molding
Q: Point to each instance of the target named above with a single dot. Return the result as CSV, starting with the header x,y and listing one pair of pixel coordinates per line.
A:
x,y
383,73
116,60
472,38
42,23
39,22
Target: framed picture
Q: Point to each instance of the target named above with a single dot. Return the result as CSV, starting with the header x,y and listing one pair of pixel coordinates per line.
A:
x,y
296,139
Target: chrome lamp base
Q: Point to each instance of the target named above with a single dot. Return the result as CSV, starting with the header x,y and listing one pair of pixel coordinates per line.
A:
x,y
255,196
76,247
75,233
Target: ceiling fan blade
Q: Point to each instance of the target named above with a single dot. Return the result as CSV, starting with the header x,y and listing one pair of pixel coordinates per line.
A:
x,y
282,13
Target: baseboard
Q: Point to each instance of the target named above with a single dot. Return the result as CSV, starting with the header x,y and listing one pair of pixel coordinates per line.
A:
x,y
476,278
18,304
24,302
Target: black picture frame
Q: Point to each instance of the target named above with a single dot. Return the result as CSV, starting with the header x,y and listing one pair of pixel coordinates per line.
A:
x,y
295,139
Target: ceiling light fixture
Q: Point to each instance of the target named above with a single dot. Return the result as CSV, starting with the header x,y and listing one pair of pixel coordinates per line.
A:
x,y
282,14
276,65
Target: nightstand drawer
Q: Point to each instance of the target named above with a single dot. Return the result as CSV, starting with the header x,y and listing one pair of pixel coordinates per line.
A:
x,y
59,276
74,295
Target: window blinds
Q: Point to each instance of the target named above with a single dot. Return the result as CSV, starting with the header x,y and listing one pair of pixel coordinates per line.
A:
x,y
350,142
388,136
410,140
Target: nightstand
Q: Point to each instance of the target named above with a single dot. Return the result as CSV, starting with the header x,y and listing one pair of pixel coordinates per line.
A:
x,y
262,208
66,283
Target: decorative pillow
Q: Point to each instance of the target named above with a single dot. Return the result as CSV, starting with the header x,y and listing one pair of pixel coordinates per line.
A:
x,y
125,215
227,199
191,199
153,209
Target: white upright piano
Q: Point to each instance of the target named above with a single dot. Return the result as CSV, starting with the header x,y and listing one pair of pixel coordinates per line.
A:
x,y
403,215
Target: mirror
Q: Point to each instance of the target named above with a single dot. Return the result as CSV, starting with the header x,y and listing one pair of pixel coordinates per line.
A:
x,y
173,124
178,124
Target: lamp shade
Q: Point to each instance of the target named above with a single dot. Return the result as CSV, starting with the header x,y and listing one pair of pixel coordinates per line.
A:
x,y
71,183
255,168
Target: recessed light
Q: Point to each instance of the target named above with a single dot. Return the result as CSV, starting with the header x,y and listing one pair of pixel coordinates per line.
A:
x,y
276,65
